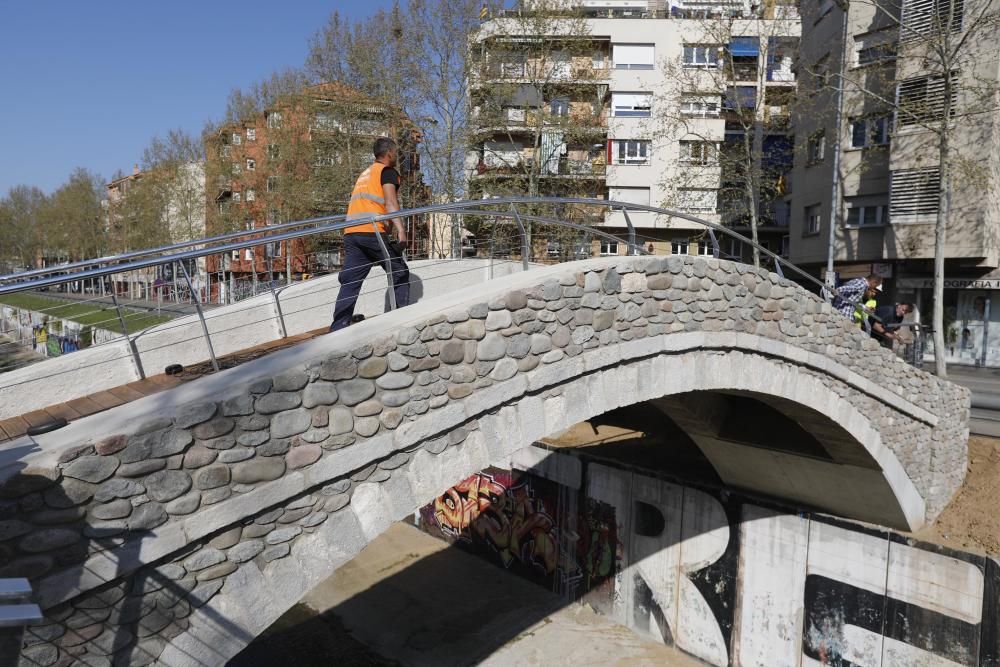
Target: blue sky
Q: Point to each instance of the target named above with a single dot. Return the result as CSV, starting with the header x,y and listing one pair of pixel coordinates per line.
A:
x,y
88,83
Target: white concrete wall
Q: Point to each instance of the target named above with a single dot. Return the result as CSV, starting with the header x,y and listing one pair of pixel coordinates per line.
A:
x,y
307,306
874,599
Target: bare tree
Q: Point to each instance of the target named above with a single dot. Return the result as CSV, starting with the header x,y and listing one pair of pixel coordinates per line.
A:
x,y
20,227
725,71
539,110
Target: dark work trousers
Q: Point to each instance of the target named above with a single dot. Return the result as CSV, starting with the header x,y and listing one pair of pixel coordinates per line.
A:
x,y
361,252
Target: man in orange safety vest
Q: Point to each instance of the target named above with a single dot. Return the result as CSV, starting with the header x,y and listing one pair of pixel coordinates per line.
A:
x,y
375,193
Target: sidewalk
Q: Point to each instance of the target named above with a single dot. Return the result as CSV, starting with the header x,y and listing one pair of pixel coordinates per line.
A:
x,y
166,307
410,599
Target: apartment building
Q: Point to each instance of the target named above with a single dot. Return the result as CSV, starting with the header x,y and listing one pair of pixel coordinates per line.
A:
x,y
644,104
173,200
867,167
298,160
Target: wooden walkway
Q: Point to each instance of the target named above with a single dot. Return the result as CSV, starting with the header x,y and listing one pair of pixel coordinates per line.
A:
x,y
16,427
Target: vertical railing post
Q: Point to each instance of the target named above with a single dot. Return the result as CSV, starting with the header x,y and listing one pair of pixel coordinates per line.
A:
x,y
388,266
631,232
196,298
131,343
274,294
525,250
715,243
16,612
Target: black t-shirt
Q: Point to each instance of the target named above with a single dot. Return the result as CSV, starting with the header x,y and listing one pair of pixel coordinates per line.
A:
x,y
390,176
889,318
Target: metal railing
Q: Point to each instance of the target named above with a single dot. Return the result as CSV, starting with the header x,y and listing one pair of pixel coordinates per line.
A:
x,y
524,214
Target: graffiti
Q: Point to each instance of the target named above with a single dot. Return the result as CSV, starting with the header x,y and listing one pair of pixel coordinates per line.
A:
x,y
493,509
729,581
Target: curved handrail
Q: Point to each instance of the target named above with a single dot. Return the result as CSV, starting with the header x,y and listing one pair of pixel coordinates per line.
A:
x,y
333,223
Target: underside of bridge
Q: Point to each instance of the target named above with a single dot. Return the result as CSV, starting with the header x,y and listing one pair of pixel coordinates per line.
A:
x,y
745,441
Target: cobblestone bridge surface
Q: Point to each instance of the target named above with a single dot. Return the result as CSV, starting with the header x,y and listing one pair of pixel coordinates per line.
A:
x,y
178,527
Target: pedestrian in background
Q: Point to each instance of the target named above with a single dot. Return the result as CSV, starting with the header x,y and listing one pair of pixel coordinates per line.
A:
x,y
850,293
885,324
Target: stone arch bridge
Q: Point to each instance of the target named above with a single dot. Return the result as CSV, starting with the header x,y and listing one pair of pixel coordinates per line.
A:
x,y
175,528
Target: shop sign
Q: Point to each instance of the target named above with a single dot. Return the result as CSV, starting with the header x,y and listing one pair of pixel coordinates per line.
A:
x,y
950,283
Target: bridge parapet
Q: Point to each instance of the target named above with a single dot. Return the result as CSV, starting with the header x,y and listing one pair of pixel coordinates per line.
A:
x,y
265,477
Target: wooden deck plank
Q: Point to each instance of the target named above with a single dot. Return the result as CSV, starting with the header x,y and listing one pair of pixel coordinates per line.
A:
x,y
126,393
37,417
106,399
144,387
85,406
14,427
64,411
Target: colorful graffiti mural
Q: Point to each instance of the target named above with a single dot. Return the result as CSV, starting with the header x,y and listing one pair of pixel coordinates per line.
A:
x,y
528,524
727,580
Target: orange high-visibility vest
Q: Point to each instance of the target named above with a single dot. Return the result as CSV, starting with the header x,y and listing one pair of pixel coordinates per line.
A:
x,y
368,198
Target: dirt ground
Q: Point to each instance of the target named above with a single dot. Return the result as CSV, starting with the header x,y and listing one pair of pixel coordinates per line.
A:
x,y
972,521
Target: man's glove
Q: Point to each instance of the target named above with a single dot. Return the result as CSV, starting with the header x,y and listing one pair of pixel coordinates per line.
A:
x,y
397,246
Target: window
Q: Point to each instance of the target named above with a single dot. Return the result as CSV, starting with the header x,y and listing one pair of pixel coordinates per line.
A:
x,y
870,50
512,66
786,243
248,224
273,151
701,55
251,194
251,134
272,217
865,216
237,197
274,119
812,219
700,106
226,150
922,100
237,138
698,199
631,105
251,164
272,183
699,152
237,169
867,132
597,61
923,17
816,148
705,247
743,97
515,115
553,248
630,195
630,151
914,193
679,246
632,56
559,107
608,247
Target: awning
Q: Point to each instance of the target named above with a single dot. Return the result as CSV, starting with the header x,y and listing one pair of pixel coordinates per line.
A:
x,y
744,46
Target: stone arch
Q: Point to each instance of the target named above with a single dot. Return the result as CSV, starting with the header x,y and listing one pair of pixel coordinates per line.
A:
x,y
365,426
506,427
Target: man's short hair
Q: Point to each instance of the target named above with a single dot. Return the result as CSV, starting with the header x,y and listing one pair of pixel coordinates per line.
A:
x,y
909,306
872,276
382,146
